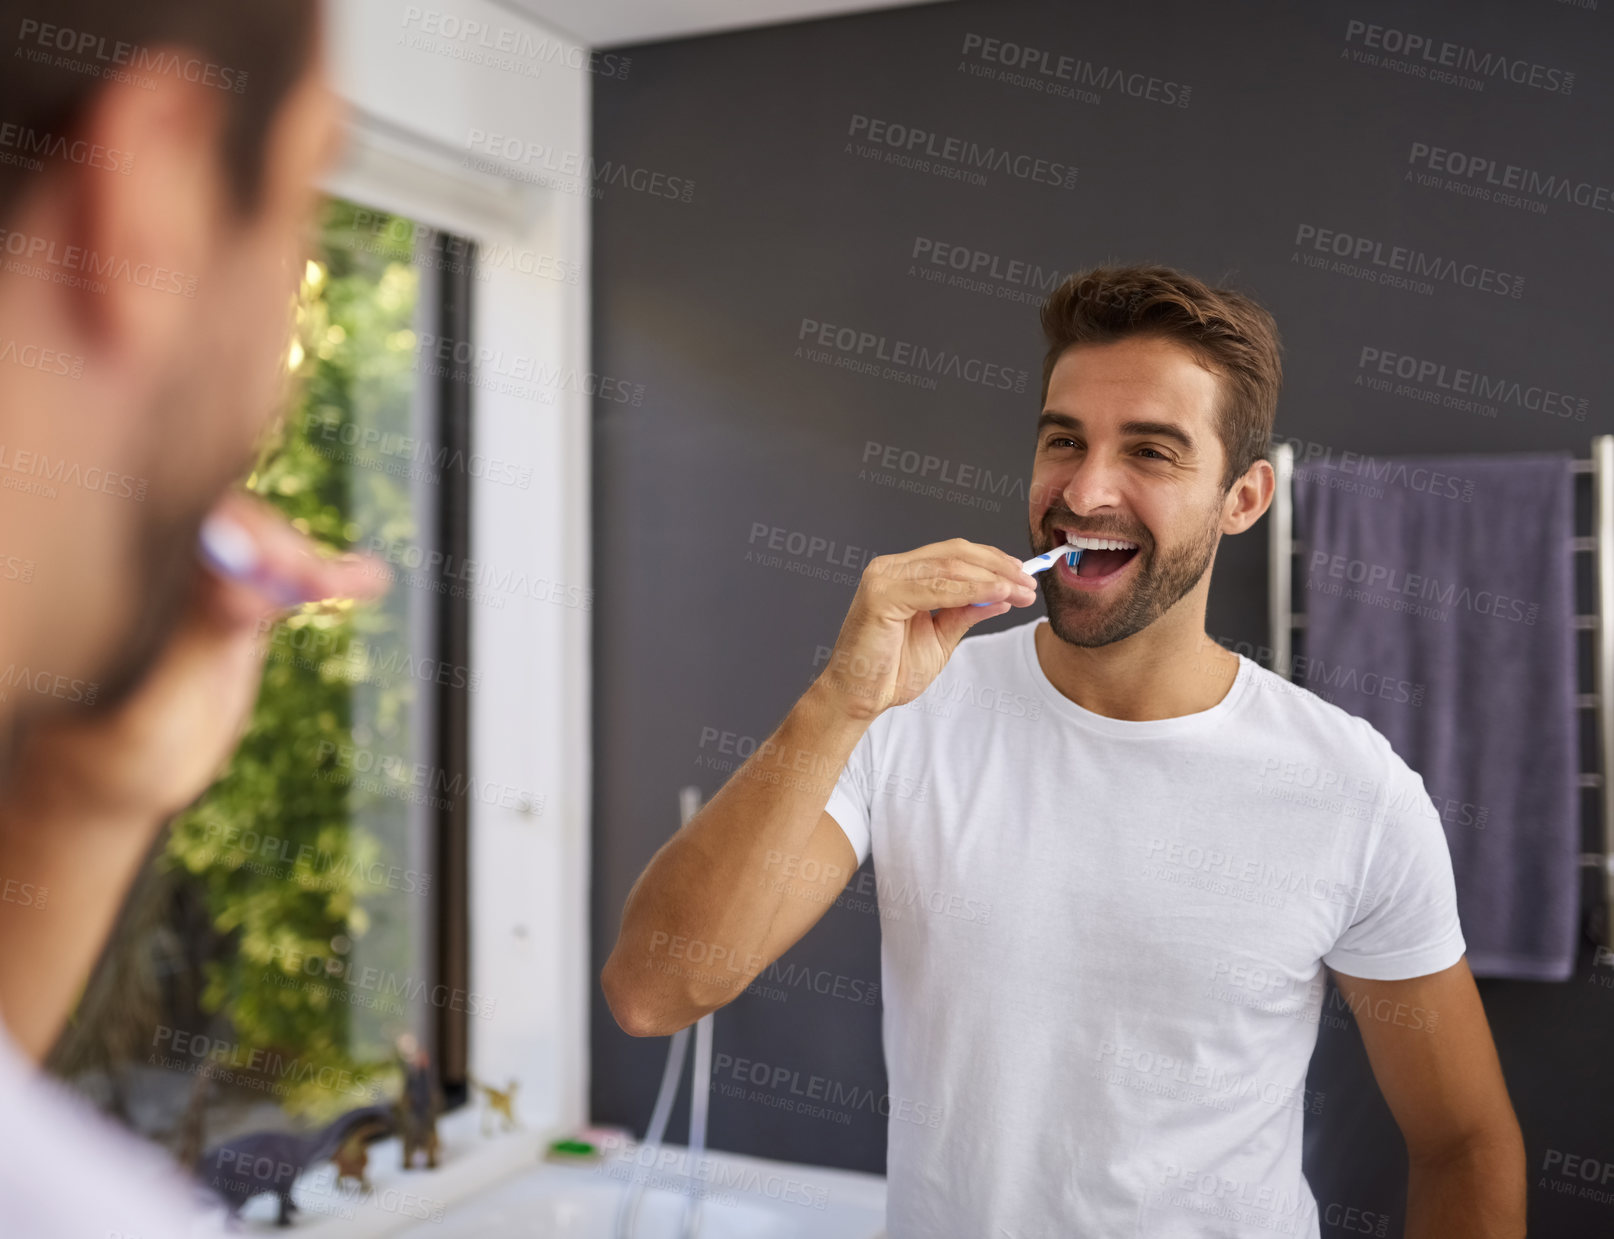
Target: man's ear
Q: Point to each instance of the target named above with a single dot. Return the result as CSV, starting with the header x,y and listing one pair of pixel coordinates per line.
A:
x,y
144,233
1250,497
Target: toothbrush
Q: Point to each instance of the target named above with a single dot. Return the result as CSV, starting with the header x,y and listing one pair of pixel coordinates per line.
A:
x,y
229,550
1041,563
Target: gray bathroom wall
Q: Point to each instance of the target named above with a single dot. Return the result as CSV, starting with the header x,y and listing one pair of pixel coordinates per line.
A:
x,y
762,233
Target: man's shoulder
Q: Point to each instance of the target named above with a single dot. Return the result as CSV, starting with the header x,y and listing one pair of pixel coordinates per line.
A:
x,y
1303,716
60,1136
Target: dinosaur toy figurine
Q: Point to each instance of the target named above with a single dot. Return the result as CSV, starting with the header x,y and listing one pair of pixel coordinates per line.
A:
x,y
501,1102
353,1157
417,1110
270,1161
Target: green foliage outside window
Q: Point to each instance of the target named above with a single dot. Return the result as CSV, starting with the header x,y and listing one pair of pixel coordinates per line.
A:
x,y
282,846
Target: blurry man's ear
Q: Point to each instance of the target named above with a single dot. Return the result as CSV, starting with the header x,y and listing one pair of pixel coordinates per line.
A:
x,y
148,235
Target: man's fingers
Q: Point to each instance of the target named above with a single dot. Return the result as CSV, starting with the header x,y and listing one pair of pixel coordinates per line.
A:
x,y
927,584
990,557
953,623
269,565
961,559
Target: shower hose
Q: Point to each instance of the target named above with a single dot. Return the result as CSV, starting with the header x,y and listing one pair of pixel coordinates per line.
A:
x,y
627,1213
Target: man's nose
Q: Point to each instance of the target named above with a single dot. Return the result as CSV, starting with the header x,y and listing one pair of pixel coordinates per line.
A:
x,y
1094,482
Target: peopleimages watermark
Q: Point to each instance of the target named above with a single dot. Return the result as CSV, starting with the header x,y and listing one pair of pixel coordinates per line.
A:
x,y
810,555
949,156
726,751
1422,479
936,477
1208,1193
36,465
1575,1174
720,966
1272,990
252,1067
1318,673
1441,60
1355,1220
350,443
1395,580
1396,266
323,1191
47,684
45,360
1033,68
343,655
28,147
340,978
1249,878
950,265
1453,386
812,1095
1487,179
660,1168
377,232
399,777
16,568
803,877
540,163
23,894
48,260
508,48
84,51
1353,795
490,584
308,866
778,979
1196,1081
516,374
867,352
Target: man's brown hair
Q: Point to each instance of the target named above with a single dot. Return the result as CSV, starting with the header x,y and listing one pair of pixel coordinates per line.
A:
x,y
57,54
1227,333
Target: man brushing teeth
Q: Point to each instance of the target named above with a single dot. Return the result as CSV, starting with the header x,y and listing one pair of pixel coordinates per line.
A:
x,y
1109,556
1116,891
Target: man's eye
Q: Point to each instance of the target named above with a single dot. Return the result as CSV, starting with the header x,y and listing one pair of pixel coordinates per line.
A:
x,y
1159,454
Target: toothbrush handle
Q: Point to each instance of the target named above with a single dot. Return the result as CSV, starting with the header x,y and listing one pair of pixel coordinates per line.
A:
x,y
1035,564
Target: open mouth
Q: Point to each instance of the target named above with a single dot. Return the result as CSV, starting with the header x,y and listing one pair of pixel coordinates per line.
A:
x,y
1103,559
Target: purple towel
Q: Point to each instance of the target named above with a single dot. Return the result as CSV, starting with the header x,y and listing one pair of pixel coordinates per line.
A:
x,y
1439,602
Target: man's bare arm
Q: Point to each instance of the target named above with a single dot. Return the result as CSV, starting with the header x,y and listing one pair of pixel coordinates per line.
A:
x,y
713,907
1432,1055
711,910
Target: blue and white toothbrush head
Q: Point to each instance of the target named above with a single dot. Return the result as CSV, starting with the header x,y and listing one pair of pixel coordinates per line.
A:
x,y
1041,563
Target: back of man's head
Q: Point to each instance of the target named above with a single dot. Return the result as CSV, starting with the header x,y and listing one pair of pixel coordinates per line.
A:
x,y
63,52
157,168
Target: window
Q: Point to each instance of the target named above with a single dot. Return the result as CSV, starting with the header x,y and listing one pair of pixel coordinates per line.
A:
x,y
310,909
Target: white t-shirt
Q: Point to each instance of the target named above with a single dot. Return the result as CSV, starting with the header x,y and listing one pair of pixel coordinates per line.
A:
x,y
69,1172
1103,944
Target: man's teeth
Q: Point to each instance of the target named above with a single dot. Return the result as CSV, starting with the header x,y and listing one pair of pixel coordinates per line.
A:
x,y
1099,544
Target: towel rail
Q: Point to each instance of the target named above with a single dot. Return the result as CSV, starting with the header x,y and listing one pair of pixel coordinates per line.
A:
x,y
1602,468
1280,554
1283,546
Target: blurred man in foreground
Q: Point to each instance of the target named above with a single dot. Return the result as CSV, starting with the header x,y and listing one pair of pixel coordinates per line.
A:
x,y
157,171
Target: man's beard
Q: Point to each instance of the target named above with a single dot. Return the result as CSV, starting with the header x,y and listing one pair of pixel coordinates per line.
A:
x,y
1081,619
169,574
170,570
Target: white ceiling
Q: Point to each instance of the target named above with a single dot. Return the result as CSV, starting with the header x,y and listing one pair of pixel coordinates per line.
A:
x,y
606,23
